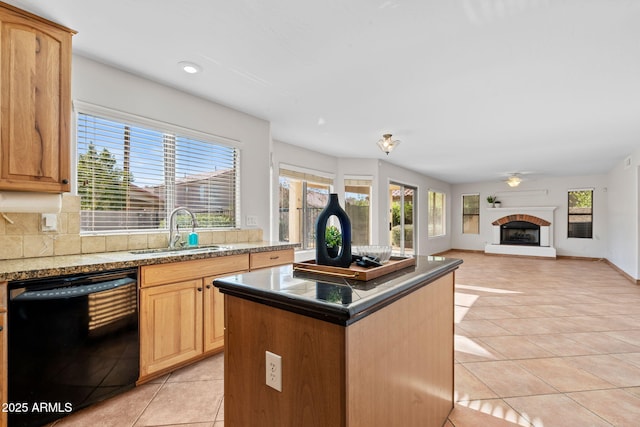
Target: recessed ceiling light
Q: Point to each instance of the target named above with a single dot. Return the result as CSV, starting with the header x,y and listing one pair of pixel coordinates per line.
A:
x,y
189,67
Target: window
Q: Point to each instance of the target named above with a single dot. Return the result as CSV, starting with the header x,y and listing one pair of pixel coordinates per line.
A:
x,y
131,176
436,214
357,197
580,214
471,214
302,197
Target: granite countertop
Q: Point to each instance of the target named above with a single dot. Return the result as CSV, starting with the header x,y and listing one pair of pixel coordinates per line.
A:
x,y
31,268
341,301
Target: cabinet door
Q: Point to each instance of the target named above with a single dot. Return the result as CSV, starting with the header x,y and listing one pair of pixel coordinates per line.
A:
x,y
213,316
170,325
35,70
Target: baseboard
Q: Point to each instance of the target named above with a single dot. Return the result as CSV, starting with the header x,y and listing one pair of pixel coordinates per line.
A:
x,y
580,258
471,251
475,251
624,273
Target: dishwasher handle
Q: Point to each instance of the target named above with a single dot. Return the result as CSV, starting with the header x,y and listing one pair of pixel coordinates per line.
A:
x,y
22,294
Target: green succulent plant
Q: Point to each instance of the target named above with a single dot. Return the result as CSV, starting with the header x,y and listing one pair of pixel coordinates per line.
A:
x,y
332,236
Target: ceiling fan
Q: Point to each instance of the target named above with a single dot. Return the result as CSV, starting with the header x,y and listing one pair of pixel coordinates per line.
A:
x,y
514,179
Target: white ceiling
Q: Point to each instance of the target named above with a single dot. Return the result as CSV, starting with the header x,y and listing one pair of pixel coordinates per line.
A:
x,y
474,89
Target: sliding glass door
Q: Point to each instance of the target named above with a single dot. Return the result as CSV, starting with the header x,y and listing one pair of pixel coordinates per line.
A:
x,y
402,218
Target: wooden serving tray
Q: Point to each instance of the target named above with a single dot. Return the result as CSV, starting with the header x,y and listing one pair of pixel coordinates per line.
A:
x,y
355,271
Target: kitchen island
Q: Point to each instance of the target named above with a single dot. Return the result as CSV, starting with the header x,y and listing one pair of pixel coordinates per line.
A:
x,y
374,353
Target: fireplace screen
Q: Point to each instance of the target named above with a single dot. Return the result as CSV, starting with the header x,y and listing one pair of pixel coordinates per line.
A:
x,y
520,233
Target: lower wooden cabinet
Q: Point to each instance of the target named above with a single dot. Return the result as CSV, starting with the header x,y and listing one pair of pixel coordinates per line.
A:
x,y
171,325
213,311
182,313
182,320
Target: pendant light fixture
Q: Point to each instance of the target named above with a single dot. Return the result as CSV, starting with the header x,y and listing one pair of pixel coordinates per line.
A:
x,y
387,144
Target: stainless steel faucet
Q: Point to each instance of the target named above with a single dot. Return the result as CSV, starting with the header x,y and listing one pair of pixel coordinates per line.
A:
x,y
174,233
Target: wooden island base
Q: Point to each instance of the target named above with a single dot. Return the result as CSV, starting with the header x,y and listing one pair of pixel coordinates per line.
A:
x,y
393,367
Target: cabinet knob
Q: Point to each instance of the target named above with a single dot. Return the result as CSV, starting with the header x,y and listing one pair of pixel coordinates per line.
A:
x,y
208,286
1,328
199,289
274,257
65,181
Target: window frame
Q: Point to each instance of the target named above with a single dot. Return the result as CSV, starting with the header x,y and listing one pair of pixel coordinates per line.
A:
x,y
464,215
569,214
443,215
360,182
168,129
305,177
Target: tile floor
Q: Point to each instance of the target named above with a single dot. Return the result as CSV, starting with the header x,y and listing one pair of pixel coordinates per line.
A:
x,y
538,343
545,343
189,397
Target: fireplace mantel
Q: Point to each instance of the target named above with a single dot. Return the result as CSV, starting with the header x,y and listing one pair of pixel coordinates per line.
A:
x,y
524,209
545,249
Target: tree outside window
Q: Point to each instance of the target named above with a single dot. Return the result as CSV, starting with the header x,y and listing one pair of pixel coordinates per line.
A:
x,y
131,176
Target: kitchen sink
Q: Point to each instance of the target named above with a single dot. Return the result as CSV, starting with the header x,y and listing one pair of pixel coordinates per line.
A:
x,y
185,250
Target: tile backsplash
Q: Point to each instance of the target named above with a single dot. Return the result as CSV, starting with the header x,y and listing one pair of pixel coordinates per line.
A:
x,y
21,235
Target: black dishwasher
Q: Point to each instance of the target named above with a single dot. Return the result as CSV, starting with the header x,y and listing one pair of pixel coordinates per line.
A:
x,y
73,341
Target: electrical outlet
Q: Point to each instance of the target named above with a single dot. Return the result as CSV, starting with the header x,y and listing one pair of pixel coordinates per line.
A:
x,y
252,221
49,222
273,371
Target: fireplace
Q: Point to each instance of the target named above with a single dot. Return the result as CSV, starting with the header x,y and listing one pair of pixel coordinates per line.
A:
x,y
520,233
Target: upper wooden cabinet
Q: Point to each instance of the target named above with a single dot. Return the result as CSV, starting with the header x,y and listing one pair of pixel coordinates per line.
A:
x,y
35,97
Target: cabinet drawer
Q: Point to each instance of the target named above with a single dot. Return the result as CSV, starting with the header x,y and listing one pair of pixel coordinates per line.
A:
x,y
271,258
152,275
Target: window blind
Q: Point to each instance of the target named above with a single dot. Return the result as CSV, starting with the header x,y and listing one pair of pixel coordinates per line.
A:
x,y
130,177
305,176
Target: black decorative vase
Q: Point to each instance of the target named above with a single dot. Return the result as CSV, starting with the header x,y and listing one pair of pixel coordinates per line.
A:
x,y
343,259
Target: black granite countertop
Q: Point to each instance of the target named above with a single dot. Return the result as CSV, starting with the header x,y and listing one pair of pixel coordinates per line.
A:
x,y
340,301
31,268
